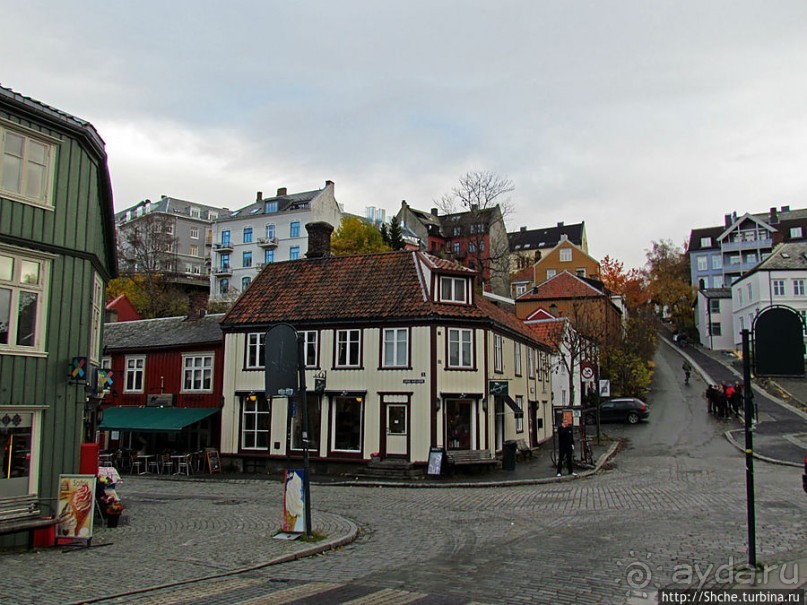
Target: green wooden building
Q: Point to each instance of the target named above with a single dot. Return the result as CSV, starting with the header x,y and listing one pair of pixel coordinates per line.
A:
x,y
57,252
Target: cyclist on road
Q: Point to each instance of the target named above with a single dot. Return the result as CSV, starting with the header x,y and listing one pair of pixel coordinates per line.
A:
x,y
687,367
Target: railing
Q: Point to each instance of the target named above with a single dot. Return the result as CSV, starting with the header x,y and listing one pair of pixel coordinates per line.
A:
x,y
223,247
223,270
267,242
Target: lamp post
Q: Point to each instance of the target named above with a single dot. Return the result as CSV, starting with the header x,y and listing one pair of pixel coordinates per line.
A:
x,y
748,396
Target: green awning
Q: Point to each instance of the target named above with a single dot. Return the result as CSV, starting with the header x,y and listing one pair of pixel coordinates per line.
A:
x,y
152,420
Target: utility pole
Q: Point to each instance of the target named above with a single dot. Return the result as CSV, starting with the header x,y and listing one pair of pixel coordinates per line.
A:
x,y
748,396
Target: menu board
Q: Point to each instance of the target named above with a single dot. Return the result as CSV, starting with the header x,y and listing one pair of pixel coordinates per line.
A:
x,y
76,507
213,461
435,462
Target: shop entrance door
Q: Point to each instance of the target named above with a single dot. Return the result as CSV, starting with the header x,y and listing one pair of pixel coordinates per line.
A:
x,y
397,444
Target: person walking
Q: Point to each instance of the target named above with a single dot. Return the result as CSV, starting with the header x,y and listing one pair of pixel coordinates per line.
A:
x,y
566,447
687,367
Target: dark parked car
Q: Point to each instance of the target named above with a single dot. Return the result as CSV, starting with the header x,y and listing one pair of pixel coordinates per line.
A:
x,y
621,409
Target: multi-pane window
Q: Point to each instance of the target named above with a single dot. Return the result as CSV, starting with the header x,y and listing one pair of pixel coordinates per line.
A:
x,y
225,238
255,422
23,290
268,256
224,285
194,232
550,273
778,287
246,259
517,357
565,255
197,374
294,253
798,287
270,231
703,263
294,229
795,232
520,417
348,348
530,363
193,250
247,235
716,329
456,248
255,350
135,372
706,242
452,289
270,207
225,262
311,348
498,362
396,348
314,411
714,305
25,167
717,262
97,318
459,348
245,281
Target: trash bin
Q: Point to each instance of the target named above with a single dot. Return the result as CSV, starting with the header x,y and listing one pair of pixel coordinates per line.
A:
x,y
509,456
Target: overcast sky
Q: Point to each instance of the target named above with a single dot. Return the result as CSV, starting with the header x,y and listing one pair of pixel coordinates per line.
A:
x,y
643,119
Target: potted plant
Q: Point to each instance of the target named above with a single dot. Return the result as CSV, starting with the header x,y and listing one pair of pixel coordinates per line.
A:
x,y
112,512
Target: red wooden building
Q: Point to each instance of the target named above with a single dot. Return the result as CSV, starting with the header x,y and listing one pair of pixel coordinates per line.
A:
x,y
166,387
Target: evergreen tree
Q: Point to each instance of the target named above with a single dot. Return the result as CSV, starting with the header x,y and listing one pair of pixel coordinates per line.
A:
x,y
395,241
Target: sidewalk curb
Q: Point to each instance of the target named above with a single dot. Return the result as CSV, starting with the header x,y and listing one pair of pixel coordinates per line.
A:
x,y
315,549
610,453
736,444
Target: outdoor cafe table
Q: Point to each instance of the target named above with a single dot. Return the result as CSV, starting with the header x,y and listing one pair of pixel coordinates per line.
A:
x,y
145,458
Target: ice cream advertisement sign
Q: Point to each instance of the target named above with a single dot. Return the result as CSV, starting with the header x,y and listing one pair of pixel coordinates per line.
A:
x,y
76,504
294,503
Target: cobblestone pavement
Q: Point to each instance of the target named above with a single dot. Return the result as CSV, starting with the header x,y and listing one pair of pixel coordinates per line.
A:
x,y
670,510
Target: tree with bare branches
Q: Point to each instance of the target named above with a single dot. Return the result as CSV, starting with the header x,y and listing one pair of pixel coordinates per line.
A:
x,y
476,211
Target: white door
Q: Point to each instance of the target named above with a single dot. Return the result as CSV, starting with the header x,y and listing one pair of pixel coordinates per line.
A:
x,y
397,430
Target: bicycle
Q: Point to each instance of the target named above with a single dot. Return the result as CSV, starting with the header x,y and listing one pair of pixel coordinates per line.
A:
x,y
586,453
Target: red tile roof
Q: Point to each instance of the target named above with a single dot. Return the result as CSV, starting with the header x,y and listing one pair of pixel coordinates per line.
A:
x,y
548,331
363,288
562,285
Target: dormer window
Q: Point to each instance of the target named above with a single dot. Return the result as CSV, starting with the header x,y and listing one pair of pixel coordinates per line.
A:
x,y
453,289
271,207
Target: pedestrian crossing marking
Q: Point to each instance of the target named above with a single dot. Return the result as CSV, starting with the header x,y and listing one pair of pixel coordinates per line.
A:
x,y
288,595
387,596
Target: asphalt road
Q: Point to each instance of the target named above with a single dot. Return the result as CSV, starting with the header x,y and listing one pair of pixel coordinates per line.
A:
x,y
671,510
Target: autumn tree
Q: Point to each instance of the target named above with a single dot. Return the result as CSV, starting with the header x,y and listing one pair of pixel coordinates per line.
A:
x,y
669,285
478,207
356,236
146,256
631,285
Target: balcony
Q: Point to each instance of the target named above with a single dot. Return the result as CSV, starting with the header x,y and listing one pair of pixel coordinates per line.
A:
x,y
223,247
758,244
267,242
223,270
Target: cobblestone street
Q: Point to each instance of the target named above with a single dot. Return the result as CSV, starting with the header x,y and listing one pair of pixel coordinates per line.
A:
x,y
673,499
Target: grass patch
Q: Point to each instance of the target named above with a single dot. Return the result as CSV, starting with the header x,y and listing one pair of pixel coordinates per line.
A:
x,y
314,537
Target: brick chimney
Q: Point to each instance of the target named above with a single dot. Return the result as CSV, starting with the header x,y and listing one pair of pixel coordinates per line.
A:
x,y
329,183
774,217
281,191
319,239
434,211
259,196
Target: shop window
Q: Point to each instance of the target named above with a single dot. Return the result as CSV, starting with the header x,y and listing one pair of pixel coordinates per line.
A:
x,y
197,373
135,373
314,410
16,435
255,422
347,426
458,423
23,290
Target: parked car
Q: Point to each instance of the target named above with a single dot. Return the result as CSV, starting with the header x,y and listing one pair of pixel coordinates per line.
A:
x,y
620,409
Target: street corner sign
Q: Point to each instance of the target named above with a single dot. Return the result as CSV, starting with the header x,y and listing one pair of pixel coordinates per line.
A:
x,y
587,371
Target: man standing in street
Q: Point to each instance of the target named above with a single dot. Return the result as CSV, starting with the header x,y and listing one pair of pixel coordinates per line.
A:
x,y
565,447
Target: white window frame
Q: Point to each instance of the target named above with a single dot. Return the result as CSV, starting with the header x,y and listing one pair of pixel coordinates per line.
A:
x,y
18,286
194,232
520,417
517,358
395,348
203,374
311,348
194,250
706,242
795,232
498,357
254,357
348,349
798,287
258,408
717,262
134,374
565,255
703,263
45,199
96,318
551,273
461,341
530,363
453,289
778,287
